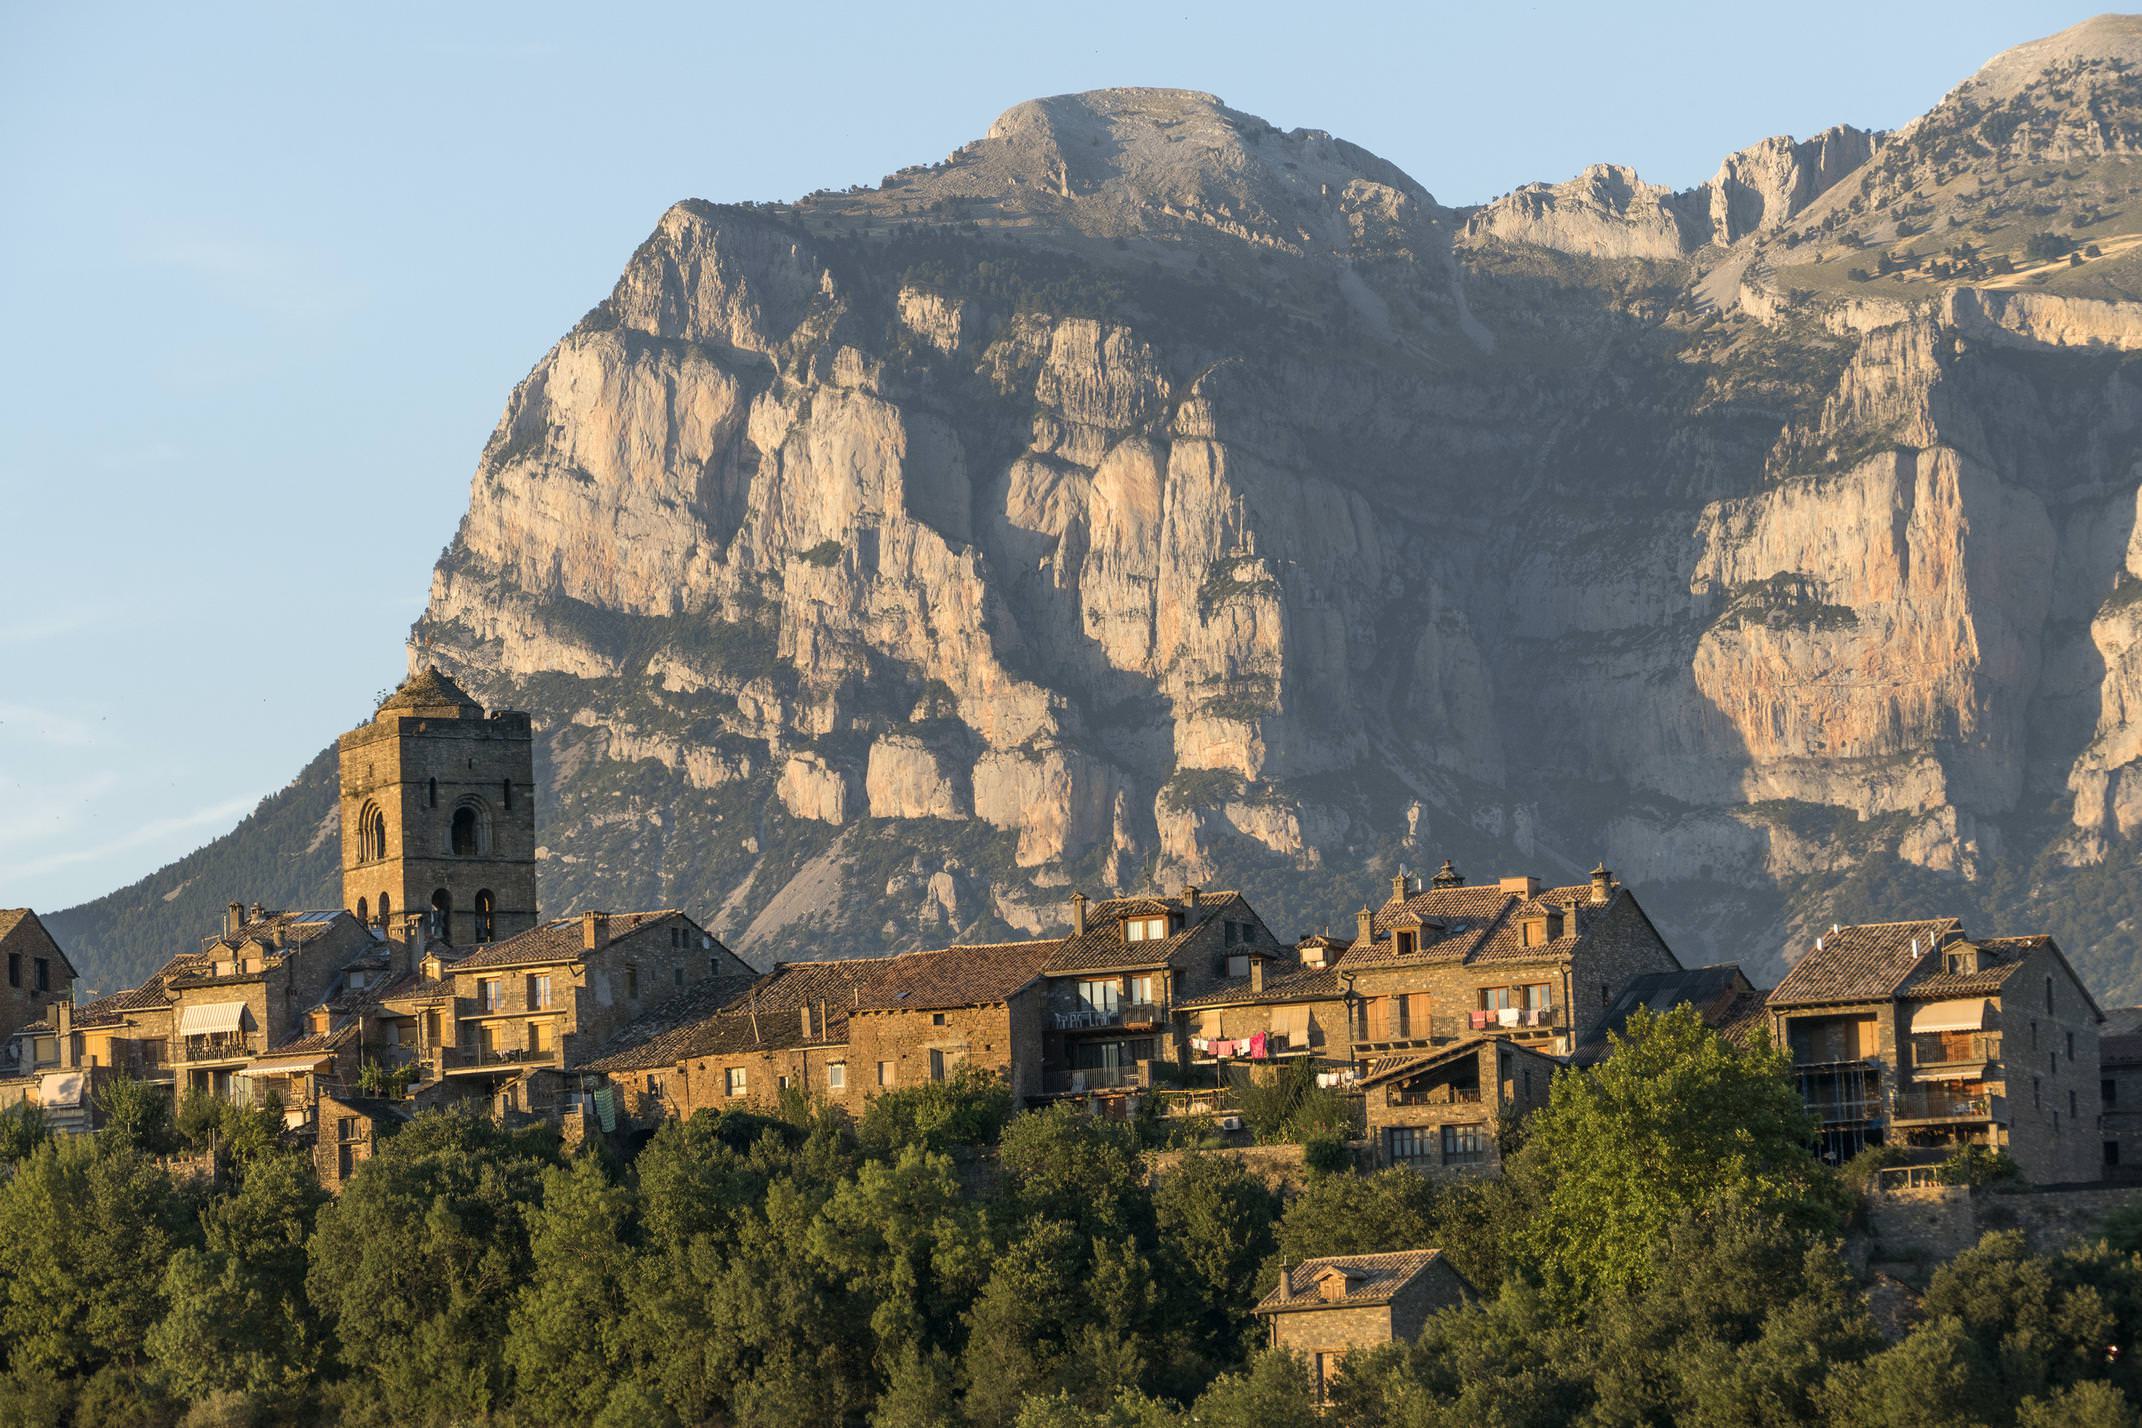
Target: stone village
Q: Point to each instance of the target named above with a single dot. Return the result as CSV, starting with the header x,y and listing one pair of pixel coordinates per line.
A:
x,y
1444,1016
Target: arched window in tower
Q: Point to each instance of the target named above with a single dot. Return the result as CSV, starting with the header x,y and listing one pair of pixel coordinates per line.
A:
x,y
505,793
442,916
364,913
431,792
465,834
371,834
485,927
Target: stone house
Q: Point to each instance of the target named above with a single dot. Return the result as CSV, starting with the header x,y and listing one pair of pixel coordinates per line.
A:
x,y
1443,1111
1117,981
492,1022
840,1032
2120,1093
350,1129
1914,1034
1324,1309
1722,995
1441,963
38,972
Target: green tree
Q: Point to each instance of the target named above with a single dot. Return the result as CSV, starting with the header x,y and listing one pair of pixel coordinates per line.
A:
x,y
968,1108
417,1265
1085,1170
1273,1392
138,1113
86,1227
238,1321
566,1345
1215,1226
1675,1121
909,1238
22,1130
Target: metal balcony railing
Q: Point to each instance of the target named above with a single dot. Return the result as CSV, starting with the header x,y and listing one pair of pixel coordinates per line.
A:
x,y
1437,1096
1088,1018
1926,1107
1094,1078
215,1048
1513,1018
1955,1050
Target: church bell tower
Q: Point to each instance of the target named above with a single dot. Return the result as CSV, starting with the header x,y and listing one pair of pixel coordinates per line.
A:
x,y
438,815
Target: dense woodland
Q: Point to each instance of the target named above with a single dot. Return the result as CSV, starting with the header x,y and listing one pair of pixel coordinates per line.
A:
x,y
1663,1249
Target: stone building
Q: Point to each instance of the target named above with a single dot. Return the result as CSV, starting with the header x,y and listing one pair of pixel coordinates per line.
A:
x,y
1722,995
1128,965
1914,1034
1324,1309
350,1131
438,815
2120,1093
1437,964
38,972
1444,1111
840,1032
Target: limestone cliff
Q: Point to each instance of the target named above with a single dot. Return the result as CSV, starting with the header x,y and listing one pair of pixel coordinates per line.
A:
x,y
1148,494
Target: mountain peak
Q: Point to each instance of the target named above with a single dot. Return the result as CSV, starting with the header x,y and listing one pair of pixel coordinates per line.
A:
x,y
2115,38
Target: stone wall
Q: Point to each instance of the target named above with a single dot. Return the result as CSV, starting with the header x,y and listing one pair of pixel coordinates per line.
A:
x,y
1930,1226
1279,1167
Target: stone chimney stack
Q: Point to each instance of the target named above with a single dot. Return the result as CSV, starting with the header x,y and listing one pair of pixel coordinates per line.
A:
x,y
1602,883
1256,974
1364,925
233,918
1448,875
1078,914
1399,886
1189,894
594,930
806,1009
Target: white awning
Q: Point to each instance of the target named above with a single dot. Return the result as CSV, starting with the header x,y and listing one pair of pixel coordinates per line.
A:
x,y
211,1018
60,1088
1292,1023
1958,1014
284,1065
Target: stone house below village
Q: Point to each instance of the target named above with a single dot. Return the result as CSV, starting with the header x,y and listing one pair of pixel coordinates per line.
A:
x,y
1325,1309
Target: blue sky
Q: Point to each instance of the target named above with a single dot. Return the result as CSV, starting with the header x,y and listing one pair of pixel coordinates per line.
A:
x,y
253,258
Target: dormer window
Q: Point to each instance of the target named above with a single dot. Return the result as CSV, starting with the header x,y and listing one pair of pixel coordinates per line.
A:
x,y
1961,962
1533,932
1408,941
1145,929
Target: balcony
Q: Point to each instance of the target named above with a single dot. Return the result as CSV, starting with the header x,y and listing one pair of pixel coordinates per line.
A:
x,y
496,1059
235,1046
1927,1106
1132,1016
1971,1049
1842,1110
1079,1080
1515,1019
1436,1096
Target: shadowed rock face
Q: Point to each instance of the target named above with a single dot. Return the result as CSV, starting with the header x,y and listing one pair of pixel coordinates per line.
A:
x,y
1146,494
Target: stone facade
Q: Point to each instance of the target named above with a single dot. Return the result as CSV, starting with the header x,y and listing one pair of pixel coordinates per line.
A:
x,y
1445,1112
1325,1309
1913,1034
2120,1094
37,972
438,815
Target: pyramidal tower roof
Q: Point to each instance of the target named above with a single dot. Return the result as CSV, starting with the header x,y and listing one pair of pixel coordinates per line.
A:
x,y
430,692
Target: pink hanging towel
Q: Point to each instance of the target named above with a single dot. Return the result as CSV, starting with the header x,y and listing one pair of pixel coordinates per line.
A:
x,y
1256,1047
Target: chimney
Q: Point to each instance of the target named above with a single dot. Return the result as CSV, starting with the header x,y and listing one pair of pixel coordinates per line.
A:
x,y
1286,1281
806,1021
594,930
1364,926
1189,894
1078,914
233,918
1448,876
1523,885
1399,886
258,912
1602,883
1256,974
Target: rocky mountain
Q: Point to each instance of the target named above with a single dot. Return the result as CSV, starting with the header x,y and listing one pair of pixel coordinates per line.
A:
x,y
1145,495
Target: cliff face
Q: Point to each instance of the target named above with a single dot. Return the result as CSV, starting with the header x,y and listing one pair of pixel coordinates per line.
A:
x,y
1145,494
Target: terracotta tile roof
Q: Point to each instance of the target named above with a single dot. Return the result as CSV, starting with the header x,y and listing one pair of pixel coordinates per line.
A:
x,y
313,1041
1864,962
1999,958
724,1016
1303,985
958,976
279,930
1370,1279
1102,947
1745,1022
562,939
1480,923
11,918
1405,1063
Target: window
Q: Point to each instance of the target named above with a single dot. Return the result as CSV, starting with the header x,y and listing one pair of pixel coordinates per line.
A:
x,y
1497,998
1101,998
2048,993
1145,929
490,1040
486,916
937,1064
442,915
1464,1145
713,966
1238,964
1327,1373
487,994
1408,941
937,1018
1406,1143
632,981
14,969
539,989
540,1041
371,834
678,974
2108,1090
386,909
676,937
837,1076
505,794
2112,1152
1233,933
885,1073
735,1080
2035,1085
1144,990
462,833
2071,1046
364,913
431,792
